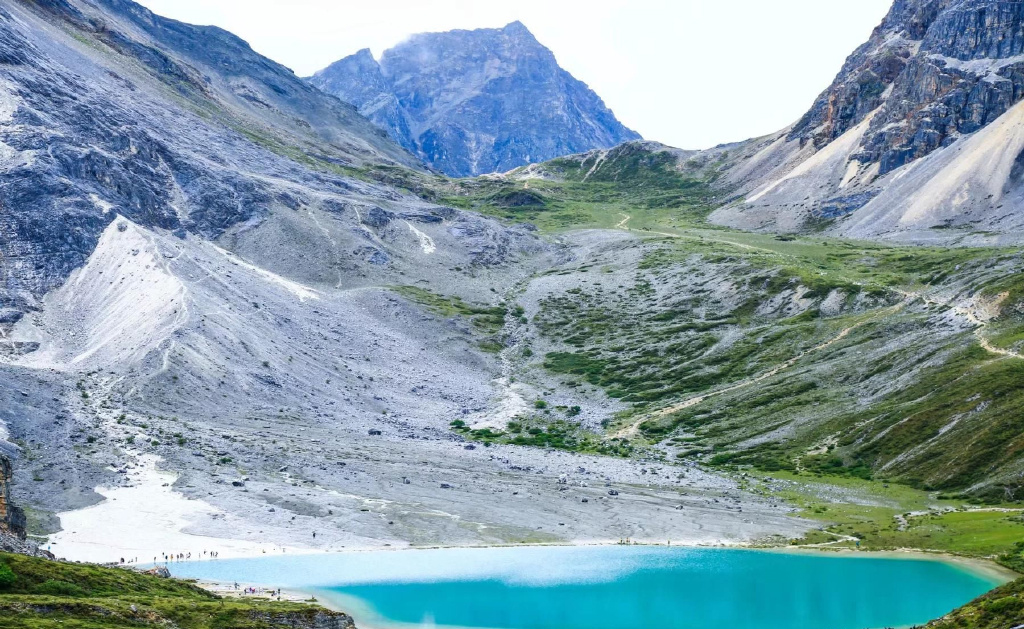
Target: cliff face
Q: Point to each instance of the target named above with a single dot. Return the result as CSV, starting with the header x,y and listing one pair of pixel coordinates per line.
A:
x,y
358,80
937,69
918,132
474,102
12,520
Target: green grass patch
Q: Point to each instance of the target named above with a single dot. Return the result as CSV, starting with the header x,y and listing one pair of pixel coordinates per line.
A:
x,y
487,321
43,594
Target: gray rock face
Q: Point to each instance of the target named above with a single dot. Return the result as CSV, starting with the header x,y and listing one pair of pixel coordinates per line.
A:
x,y
173,126
474,102
12,519
916,140
357,79
935,70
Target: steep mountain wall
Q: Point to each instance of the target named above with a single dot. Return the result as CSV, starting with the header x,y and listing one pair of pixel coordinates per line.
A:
x,y
905,104
474,102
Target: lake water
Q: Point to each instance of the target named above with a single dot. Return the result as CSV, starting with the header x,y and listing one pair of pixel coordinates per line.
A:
x,y
615,587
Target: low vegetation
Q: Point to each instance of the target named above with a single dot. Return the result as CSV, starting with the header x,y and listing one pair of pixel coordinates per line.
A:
x,y
592,191
750,351
487,321
544,432
1002,608
42,594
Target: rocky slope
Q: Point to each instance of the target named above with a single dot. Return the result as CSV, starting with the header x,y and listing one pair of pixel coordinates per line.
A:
x,y
190,150
773,351
214,276
474,102
918,139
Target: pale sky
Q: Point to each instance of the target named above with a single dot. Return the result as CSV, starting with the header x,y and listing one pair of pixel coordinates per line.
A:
x,y
689,73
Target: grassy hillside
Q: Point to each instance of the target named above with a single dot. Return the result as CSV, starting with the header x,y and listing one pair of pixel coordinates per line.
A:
x,y
761,352
834,357
1002,608
593,190
39,594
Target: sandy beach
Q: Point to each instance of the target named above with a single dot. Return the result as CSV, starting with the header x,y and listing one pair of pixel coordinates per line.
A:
x,y
146,522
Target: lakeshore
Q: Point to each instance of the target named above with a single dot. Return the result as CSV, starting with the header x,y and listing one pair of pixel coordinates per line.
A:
x,y
568,586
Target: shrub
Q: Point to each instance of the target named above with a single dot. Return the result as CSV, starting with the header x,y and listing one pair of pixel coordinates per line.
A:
x,y
7,577
53,587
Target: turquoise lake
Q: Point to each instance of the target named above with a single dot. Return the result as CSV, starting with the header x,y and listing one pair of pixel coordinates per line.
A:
x,y
614,587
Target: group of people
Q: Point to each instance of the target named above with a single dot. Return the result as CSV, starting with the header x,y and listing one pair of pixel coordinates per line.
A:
x,y
257,591
212,554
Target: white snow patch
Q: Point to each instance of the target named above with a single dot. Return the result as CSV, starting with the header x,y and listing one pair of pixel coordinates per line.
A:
x,y
104,206
8,102
987,68
426,242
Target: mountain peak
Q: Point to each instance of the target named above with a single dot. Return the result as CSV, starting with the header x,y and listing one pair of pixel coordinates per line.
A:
x,y
470,102
517,28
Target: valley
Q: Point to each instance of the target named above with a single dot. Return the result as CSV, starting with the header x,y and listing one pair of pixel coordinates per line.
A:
x,y
238,317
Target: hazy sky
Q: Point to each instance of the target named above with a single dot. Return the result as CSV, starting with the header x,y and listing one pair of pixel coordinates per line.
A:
x,y
690,73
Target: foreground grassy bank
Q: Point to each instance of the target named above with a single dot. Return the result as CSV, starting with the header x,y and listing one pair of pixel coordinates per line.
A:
x,y
1002,608
40,594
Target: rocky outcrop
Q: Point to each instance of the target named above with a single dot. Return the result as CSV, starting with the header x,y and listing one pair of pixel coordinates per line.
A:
x,y
933,75
474,102
312,618
359,80
938,69
12,519
13,538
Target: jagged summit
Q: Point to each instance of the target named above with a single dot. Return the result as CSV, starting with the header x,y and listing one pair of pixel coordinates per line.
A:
x,y
475,101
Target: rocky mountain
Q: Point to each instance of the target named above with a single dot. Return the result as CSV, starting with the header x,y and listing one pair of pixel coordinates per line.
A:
x,y
918,138
358,79
231,299
474,102
215,277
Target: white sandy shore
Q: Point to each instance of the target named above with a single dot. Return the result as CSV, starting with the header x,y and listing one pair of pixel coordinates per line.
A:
x,y
145,521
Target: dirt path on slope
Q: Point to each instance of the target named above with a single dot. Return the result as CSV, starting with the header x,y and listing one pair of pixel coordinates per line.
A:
x,y
634,428
624,225
976,315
